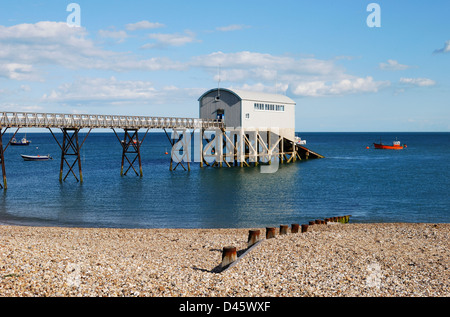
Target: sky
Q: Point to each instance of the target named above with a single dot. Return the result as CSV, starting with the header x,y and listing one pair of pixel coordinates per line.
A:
x,y
349,65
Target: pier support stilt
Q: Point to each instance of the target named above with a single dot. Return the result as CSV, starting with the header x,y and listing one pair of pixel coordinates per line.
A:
x,y
2,155
70,147
180,141
2,159
131,145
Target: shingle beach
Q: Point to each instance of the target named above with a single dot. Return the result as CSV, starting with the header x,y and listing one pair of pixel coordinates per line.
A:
x,y
339,260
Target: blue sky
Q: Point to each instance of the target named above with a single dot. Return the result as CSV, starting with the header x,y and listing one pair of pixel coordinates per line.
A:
x,y
157,57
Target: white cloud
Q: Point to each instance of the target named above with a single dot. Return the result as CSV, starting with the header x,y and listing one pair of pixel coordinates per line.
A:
x,y
143,25
232,27
49,43
95,89
25,47
167,39
41,30
393,65
340,87
258,63
279,88
120,35
445,49
18,71
109,92
304,76
129,63
423,82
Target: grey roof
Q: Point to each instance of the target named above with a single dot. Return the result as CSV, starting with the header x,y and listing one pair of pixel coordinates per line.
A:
x,y
255,96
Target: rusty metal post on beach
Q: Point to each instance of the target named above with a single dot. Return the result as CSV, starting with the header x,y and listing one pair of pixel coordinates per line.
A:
x,y
294,228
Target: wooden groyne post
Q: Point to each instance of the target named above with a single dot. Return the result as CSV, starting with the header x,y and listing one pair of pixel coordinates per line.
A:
x,y
229,255
253,237
270,232
283,229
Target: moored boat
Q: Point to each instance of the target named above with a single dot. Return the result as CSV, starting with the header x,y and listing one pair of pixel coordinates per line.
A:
x,y
299,140
395,146
23,141
36,157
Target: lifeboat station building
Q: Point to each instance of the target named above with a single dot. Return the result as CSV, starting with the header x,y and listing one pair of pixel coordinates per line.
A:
x,y
250,110
264,122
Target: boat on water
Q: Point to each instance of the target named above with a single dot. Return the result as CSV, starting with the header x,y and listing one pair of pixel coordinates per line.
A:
x,y
23,141
36,157
133,141
299,140
395,146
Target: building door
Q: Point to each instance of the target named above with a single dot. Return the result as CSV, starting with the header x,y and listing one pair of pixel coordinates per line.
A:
x,y
220,114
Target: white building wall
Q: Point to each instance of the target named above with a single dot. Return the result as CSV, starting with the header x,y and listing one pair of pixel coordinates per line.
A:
x,y
282,120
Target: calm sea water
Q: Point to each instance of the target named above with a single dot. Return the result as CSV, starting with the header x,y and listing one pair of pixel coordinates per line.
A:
x,y
411,185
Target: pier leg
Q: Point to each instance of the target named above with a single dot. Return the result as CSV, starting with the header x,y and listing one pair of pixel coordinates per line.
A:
x,y
2,155
70,147
131,145
171,145
62,159
202,133
2,159
179,138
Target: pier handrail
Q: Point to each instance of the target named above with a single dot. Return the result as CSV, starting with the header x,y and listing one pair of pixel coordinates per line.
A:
x,y
61,120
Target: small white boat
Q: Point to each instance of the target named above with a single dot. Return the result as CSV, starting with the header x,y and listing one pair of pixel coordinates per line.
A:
x,y
36,157
299,140
24,141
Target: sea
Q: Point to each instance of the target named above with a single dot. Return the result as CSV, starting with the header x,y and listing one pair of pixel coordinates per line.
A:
x,y
353,178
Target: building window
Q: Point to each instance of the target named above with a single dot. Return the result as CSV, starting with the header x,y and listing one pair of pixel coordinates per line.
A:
x,y
247,116
268,107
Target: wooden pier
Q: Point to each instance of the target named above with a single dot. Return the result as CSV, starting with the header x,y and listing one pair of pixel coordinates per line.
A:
x,y
214,144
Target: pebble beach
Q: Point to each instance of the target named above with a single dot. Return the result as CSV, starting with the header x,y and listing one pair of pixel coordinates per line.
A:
x,y
329,260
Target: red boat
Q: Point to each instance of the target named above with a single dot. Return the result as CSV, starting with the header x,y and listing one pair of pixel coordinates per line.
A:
x,y
395,146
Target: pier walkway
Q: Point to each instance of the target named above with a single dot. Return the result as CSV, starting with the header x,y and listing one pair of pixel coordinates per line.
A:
x,y
90,121
228,146
71,124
